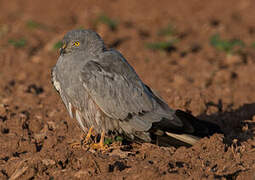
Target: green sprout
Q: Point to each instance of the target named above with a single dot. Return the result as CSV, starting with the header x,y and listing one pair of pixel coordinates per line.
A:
x,y
112,24
119,138
253,45
17,43
107,141
164,45
32,24
167,31
58,45
225,45
80,27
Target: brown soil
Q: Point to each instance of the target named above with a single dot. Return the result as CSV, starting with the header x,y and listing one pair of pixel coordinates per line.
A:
x,y
36,130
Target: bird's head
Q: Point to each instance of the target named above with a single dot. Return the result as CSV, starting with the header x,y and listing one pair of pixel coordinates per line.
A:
x,y
82,40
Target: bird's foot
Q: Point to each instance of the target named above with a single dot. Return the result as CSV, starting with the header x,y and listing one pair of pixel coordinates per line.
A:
x,y
85,140
99,146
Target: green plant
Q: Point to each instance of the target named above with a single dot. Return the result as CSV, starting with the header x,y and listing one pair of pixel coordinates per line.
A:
x,y
80,27
253,45
58,45
17,43
119,138
163,45
107,141
32,24
112,24
228,46
167,31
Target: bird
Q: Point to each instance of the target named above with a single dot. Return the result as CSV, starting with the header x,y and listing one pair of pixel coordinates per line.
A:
x,y
103,92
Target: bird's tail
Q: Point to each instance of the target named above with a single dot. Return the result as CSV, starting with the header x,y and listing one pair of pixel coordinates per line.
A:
x,y
189,133
186,138
194,129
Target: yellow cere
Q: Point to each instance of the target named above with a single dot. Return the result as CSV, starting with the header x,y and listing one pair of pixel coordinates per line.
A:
x,y
76,43
64,46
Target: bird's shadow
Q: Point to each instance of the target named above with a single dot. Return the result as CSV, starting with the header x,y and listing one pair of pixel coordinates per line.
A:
x,y
235,124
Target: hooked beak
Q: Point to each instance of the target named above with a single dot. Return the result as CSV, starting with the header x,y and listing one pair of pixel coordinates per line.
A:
x,y
62,49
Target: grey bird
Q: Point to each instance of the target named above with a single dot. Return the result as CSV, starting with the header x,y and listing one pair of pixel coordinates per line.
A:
x,y
104,93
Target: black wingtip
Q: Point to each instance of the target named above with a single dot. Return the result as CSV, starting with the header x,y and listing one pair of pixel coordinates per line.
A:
x,y
201,128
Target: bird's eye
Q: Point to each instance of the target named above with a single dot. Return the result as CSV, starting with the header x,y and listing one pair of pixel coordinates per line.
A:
x,y
76,43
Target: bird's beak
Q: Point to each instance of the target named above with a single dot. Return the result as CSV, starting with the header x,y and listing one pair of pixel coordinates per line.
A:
x,y
62,49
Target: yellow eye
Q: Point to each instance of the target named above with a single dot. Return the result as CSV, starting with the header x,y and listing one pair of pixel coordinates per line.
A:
x,y
76,43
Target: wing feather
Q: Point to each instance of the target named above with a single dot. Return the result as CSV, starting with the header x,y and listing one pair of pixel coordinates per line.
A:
x,y
118,91
115,87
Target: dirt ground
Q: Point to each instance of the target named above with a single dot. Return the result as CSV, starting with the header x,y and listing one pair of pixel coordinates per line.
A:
x,y
212,81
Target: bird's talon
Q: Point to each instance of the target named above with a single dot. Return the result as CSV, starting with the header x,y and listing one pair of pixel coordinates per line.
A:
x,y
99,146
86,142
85,147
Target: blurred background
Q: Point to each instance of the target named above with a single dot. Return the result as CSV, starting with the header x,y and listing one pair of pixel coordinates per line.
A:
x,y
199,55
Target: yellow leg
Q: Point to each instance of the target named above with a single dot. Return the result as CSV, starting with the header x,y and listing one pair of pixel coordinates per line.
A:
x,y
88,135
100,145
83,141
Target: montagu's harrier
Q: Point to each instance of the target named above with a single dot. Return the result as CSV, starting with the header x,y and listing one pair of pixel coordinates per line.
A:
x,y
103,92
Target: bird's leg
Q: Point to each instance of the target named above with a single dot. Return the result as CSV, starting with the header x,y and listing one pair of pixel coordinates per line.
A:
x,y
83,141
100,145
87,138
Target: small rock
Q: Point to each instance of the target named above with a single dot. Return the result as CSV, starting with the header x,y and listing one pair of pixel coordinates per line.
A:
x,y
83,173
2,109
233,59
36,59
38,117
52,113
21,76
119,153
48,162
179,79
51,125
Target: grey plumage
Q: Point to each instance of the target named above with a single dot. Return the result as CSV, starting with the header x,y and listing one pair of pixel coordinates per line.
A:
x,y
99,88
